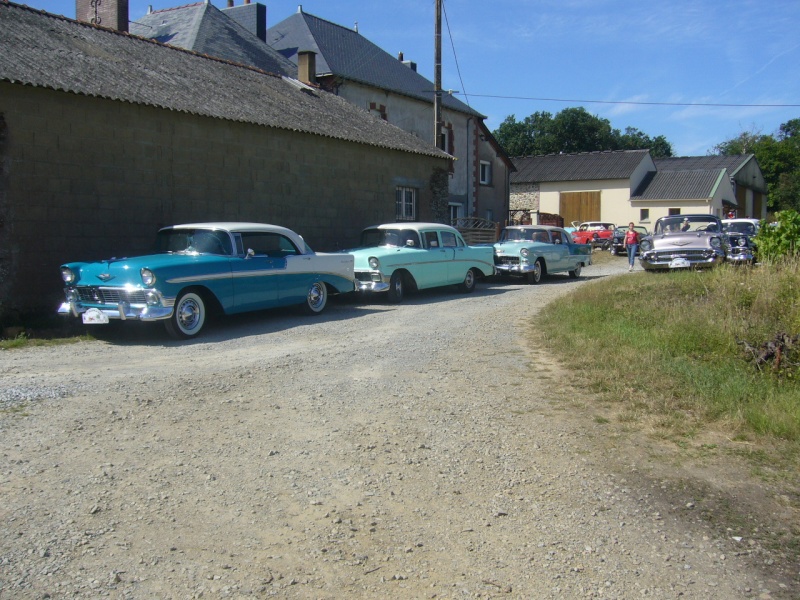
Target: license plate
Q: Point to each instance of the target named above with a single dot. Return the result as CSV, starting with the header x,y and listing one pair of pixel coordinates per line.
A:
x,y
679,263
93,316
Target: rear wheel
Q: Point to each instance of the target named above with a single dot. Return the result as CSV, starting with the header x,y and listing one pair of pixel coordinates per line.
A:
x,y
468,285
188,318
396,288
316,299
535,276
575,273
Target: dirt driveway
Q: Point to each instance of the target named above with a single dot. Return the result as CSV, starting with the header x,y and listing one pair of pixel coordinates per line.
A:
x,y
416,451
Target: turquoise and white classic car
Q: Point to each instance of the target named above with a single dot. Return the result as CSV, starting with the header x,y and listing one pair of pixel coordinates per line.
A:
x,y
532,251
200,268
397,257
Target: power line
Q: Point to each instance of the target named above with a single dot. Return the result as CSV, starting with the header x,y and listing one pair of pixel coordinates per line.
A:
x,y
701,104
453,46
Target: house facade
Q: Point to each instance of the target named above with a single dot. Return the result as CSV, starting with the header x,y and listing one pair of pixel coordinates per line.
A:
x,y
350,66
99,149
624,186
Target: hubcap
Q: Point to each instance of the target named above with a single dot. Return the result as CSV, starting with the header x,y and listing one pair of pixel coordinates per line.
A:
x,y
189,314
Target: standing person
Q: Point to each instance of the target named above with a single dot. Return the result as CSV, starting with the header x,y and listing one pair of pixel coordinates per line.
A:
x,y
631,244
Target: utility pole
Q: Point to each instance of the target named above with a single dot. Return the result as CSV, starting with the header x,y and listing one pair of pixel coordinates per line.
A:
x,y
438,139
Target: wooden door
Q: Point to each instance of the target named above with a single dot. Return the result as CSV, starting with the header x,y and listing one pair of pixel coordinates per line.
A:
x,y
579,206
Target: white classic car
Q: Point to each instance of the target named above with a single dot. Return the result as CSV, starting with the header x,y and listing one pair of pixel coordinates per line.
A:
x,y
396,257
202,267
684,241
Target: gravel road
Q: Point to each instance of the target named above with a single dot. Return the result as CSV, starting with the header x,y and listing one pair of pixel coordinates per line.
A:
x,y
423,450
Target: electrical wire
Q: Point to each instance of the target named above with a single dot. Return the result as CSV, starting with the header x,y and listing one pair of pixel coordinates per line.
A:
x,y
453,46
637,103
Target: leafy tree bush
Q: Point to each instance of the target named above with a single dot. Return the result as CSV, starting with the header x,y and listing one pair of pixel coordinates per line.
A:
x,y
570,131
779,241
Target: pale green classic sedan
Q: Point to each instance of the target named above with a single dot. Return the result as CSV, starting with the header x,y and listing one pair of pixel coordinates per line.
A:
x,y
206,267
532,251
397,257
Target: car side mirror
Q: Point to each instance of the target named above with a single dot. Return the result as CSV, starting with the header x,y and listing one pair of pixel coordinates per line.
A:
x,y
250,253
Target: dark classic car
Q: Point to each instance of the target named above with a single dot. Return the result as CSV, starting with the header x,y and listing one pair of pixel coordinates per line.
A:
x,y
618,241
684,241
200,267
741,235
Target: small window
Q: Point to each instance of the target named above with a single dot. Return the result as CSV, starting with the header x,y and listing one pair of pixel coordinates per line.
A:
x,y
674,211
431,239
486,173
406,204
268,244
644,215
449,239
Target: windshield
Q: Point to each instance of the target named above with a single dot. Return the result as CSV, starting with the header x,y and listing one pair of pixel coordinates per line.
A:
x,y
744,227
525,235
199,241
372,238
681,224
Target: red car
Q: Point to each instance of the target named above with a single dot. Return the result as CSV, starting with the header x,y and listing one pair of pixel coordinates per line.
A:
x,y
595,233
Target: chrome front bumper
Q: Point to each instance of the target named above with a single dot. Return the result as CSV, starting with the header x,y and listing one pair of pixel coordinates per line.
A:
x,y
741,257
122,311
512,269
653,261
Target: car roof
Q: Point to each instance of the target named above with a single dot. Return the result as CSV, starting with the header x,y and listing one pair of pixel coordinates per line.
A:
x,y
549,227
415,226
239,227
742,220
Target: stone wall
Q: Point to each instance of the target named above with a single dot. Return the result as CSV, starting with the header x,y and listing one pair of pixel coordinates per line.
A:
x,y
524,196
88,179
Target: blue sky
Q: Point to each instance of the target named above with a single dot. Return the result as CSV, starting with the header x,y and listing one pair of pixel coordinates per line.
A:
x,y
518,57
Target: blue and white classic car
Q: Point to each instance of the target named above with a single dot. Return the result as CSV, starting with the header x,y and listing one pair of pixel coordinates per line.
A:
x,y
532,251
396,257
202,267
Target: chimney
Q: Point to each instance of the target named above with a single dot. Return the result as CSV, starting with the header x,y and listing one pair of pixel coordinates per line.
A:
x,y
112,14
230,3
250,15
307,66
400,56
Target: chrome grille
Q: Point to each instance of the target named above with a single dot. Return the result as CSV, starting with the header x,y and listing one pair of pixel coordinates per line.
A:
x,y
109,295
363,276
690,254
506,260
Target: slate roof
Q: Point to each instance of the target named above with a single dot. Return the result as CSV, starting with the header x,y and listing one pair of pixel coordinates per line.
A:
x,y
205,29
619,164
49,51
680,185
344,53
689,163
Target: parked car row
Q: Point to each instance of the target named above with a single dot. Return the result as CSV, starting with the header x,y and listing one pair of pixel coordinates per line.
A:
x,y
201,268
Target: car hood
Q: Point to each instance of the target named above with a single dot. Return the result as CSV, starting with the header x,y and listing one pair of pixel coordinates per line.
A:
x,y
361,256
127,271
515,247
694,239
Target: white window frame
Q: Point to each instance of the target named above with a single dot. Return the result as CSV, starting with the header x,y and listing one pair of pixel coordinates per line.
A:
x,y
486,173
405,204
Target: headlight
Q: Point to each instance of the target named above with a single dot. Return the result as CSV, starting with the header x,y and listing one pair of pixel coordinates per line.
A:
x,y
148,277
645,245
742,242
68,275
524,253
374,263
715,242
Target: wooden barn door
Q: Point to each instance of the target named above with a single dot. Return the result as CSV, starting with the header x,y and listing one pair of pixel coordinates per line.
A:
x,y
579,206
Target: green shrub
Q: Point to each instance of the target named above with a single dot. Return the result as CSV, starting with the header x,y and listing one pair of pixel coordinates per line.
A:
x,y
782,240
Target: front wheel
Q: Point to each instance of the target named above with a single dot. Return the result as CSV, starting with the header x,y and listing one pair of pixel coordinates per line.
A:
x,y
468,285
316,299
535,276
576,272
613,251
396,288
188,318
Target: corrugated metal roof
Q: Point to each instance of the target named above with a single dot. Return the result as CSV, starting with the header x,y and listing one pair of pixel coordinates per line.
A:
x,y
619,164
205,29
50,51
689,163
679,185
345,53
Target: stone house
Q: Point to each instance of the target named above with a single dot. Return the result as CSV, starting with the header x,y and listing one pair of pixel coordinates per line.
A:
x,y
628,185
105,137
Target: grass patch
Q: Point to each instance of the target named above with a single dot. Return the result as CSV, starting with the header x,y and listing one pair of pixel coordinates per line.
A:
x,y
674,344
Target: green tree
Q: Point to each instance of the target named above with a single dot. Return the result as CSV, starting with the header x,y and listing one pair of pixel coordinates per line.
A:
x,y
778,156
570,131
